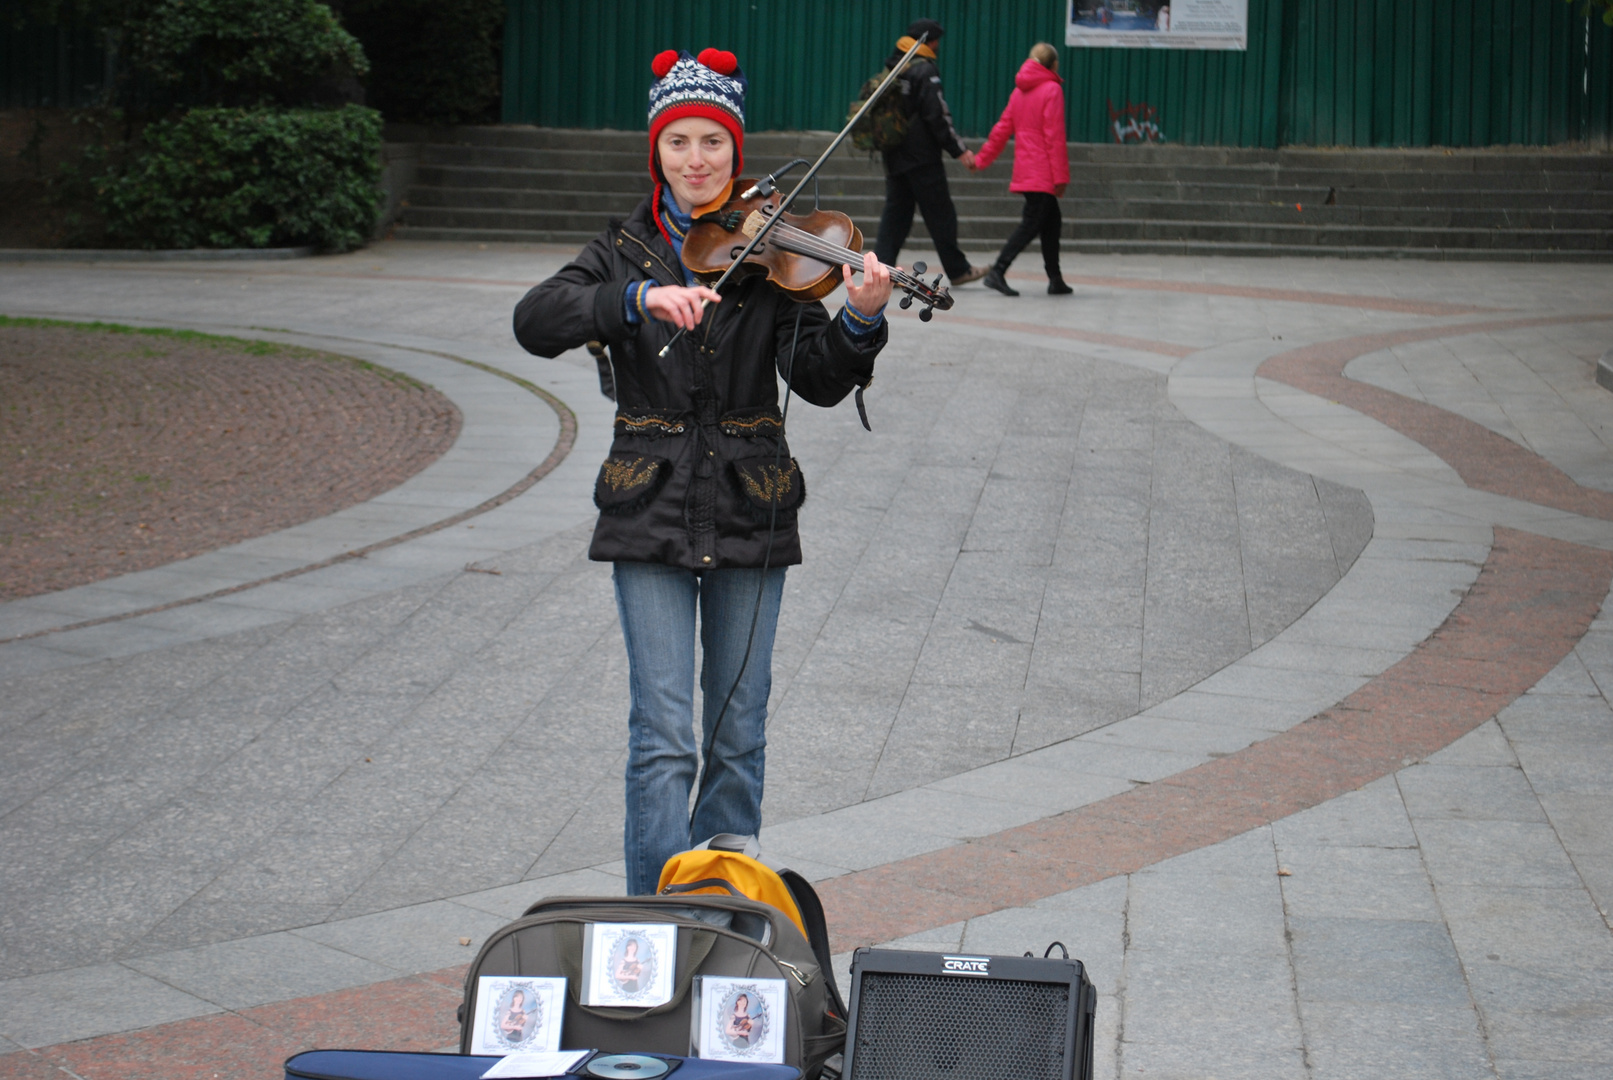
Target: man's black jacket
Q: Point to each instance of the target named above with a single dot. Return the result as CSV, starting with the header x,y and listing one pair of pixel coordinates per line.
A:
x,y
692,476
930,129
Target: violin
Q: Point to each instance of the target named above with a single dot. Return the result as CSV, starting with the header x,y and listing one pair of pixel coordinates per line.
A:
x,y
801,254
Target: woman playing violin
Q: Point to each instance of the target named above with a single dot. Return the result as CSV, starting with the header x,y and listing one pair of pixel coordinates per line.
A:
x,y
698,497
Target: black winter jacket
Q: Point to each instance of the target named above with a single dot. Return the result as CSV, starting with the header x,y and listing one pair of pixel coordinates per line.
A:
x,y
930,129
694,471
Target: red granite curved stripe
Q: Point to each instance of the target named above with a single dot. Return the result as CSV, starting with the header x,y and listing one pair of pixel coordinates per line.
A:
x,y
412,1013
1483,459
1533,600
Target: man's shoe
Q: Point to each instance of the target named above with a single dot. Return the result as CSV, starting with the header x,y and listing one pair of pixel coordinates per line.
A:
x,y
995,280
1056,287
974,273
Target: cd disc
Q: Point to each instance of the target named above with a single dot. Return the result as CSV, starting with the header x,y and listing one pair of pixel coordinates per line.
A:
x,y
626,1067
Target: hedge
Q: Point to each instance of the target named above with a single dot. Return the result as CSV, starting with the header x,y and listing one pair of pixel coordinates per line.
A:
x,y
223,177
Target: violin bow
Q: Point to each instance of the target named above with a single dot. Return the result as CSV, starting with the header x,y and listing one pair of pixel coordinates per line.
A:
x,y
789,200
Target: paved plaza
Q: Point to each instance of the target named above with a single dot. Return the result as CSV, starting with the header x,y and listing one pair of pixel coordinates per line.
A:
x,y
1241,624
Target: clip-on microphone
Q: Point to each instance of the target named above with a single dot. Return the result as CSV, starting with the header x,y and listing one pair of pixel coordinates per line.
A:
x,y
768,184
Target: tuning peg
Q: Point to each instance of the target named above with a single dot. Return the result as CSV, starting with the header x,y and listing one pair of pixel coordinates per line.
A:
x,y
936,284
926,314
919,268
905,302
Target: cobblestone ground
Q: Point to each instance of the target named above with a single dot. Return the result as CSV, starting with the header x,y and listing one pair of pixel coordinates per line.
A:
x,y
123,451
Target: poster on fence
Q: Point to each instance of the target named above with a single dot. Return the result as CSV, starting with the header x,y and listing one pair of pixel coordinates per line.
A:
x,y
1157,24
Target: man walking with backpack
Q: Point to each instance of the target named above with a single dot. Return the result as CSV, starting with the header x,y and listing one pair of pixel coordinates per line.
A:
x,y
914,174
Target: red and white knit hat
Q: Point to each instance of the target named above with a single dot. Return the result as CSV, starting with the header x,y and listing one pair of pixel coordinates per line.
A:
x,y
709,85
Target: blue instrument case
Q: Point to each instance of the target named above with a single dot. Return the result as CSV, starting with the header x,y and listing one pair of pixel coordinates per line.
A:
x,y
396,1065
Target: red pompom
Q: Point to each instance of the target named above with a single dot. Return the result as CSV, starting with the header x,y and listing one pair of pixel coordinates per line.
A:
x,y
663,63
723,63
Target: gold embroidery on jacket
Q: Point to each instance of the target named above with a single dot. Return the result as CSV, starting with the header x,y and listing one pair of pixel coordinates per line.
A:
x,y
754,425
626,475
774,486
648,425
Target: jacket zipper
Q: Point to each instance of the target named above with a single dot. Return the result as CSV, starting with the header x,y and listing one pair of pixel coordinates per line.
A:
x,y
676,277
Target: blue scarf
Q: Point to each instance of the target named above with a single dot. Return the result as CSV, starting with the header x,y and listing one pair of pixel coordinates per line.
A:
x,y
677,227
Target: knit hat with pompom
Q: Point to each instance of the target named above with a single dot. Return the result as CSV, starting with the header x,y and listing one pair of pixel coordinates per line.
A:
x,y
709,85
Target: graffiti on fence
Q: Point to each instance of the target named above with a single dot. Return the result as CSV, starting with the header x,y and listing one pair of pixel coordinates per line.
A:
x,y
1135,123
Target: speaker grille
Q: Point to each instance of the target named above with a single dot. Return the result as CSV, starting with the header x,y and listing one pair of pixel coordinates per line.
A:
x,y
919,1027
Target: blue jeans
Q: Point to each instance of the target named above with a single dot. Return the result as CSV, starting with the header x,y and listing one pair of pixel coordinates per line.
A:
x,y
657,608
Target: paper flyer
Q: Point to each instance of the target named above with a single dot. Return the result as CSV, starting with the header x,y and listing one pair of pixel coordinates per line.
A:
x,y
517,1014
628,964
739,1019
536,1063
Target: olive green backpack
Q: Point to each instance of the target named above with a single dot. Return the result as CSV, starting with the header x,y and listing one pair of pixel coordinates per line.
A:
x,y
718,934
885,125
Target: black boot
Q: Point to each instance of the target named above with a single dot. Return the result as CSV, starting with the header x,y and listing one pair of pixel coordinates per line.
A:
x,y
1056,286
994,280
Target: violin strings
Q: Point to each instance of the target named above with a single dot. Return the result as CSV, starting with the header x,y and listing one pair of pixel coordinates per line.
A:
x,y
815,247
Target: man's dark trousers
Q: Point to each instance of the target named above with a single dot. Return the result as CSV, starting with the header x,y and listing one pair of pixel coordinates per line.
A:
x,y
925,187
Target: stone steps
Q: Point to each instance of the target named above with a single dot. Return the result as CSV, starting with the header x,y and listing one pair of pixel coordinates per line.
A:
x,y
537,185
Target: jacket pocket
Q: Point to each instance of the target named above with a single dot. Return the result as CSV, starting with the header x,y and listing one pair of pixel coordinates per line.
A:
x,y
769,484
627,482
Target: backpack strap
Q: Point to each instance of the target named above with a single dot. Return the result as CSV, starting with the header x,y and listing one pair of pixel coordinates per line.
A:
x,y
806,898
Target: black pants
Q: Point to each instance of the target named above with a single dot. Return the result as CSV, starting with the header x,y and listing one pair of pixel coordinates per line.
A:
x,y
1041,218
926,188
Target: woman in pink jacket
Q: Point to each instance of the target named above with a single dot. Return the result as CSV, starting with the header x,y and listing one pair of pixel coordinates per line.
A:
x,y
1034,119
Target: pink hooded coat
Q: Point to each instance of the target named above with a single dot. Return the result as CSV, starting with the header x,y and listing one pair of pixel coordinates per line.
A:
x,y
1035,119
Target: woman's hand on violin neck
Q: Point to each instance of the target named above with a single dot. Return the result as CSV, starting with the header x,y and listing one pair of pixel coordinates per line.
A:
x,y
875,291
681,305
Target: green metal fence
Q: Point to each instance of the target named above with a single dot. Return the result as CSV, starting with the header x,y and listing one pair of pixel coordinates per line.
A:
x,y
1442,73
1316,72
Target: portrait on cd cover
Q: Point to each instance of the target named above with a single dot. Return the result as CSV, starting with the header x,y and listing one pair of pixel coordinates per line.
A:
x,y
741,1019
517,1014
629,964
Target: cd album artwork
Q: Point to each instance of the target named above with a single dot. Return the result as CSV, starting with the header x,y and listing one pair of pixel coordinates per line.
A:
x,y
629,963
741,1019
517,1014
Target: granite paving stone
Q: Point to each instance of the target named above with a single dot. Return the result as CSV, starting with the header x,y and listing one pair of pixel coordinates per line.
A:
x,y
1370,1039
424,937
1469,792
1386,960
509,902
59,1007
253,971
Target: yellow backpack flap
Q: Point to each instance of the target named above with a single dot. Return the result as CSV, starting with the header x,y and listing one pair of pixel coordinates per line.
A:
x,y
716,871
